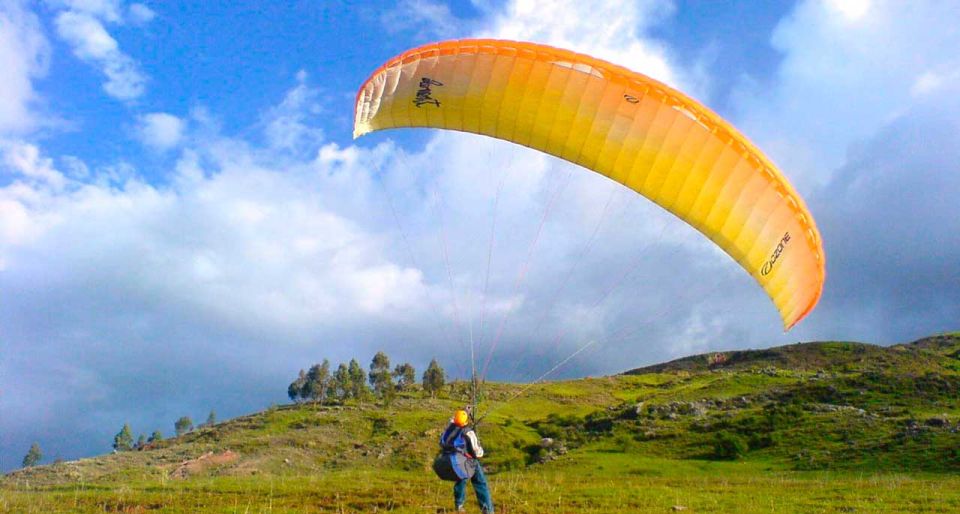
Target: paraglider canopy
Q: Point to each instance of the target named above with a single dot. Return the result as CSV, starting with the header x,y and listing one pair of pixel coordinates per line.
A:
x,y
621,124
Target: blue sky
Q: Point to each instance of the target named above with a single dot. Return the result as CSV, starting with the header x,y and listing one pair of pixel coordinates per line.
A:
x,y
185,221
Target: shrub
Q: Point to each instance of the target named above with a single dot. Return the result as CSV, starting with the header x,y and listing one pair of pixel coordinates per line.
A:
x,y
729,446
380,426
625,443
598,423
782,416
761,440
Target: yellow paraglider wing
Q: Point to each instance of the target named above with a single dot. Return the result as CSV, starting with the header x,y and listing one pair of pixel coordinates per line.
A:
x,y
623,125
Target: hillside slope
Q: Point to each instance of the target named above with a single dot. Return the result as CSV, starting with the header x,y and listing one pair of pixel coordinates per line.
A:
x,y
932,354
812,406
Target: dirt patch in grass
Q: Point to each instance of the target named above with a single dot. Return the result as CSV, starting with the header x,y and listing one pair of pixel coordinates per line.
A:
x,y
207,460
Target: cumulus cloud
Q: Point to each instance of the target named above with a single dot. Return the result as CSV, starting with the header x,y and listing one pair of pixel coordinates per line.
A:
x,y
81,26
257,250
848,69
75,168
140,14
24,159
106,10
291,125
615,31
160,130
24,54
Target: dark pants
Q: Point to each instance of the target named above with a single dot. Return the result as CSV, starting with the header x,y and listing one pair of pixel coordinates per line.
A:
x,y
479,486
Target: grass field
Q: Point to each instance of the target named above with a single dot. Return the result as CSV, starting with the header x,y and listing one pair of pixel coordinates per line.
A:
x,y
830,427
587,482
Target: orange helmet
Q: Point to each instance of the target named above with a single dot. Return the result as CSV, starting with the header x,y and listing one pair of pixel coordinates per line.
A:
x,y
460,418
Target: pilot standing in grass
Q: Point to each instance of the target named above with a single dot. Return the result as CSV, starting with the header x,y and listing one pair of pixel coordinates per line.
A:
x,y
458,461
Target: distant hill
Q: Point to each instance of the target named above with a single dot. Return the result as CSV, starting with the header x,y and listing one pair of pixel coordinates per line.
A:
x,y
920,356
808,406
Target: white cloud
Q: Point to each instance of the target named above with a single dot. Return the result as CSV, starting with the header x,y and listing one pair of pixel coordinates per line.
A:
x,y
86,34
24,53
933,82
281,239
89,38
15,223
845,73
852,10
331,154
160,130
35,185
75,168
106,10
287,126
140,14
25,159
614,31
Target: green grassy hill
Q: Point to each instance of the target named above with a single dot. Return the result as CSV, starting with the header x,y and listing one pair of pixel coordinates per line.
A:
x,y
823,427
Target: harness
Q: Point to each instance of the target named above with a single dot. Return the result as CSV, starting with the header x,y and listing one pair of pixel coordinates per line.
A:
x,y
453,441
454,462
